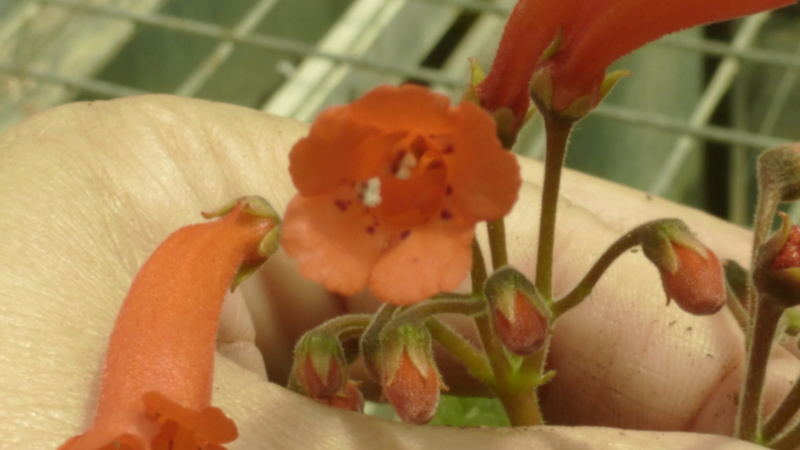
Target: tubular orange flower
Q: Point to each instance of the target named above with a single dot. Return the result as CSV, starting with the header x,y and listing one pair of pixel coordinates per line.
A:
x,y
390,189
587,36
156,386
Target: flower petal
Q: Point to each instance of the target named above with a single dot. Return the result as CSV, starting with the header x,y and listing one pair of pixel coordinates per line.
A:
x,y
99,440
331,241
431,259
606,30
485,177
185,429
338,150
404,108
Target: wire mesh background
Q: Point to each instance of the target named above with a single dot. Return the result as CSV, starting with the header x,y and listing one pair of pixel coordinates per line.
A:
x,y
687,125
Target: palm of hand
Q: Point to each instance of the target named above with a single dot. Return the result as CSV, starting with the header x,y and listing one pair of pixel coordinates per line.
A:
x,y
89,190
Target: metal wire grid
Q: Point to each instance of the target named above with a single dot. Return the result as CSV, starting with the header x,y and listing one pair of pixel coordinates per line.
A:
x,y
54,51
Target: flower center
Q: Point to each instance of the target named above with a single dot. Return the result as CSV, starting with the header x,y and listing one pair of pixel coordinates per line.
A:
x,y
414,185
407,162
371,192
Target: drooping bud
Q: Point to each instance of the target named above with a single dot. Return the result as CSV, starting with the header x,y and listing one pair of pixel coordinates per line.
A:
x,y
319,365
349,398
520,315
410,379
690,272
777,264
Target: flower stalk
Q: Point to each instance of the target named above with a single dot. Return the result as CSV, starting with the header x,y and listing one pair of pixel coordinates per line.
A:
x,y
779,419
558,131
748,421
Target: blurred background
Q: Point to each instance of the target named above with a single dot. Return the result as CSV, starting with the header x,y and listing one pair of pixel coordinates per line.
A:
x,y
687,125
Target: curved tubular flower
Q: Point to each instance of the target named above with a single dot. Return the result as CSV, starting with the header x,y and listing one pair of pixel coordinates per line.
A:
x,y
156,387
390,189
587,36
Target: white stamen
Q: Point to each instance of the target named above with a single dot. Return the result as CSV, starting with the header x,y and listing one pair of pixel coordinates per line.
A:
x,y
372,192
408,162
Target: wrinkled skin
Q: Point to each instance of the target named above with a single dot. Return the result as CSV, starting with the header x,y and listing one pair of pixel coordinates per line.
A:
x,y
88,190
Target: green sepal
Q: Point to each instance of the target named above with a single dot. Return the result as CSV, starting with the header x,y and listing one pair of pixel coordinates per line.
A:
x,y
553,47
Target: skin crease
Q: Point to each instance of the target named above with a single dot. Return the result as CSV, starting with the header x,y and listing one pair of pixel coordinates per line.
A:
x,y
89,190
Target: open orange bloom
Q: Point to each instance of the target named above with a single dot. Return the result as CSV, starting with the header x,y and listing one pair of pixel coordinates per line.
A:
x,y
390,189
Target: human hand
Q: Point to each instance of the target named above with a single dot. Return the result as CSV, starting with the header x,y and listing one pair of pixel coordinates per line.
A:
x,y
89,190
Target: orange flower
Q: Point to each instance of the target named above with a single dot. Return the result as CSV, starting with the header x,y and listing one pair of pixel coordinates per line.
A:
x,y
593,34
390,189
156,387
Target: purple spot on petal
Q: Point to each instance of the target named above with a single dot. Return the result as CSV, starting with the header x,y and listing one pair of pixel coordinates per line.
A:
x,y
342,205
448,150
405,234
449,190
446,215
370,229
435,164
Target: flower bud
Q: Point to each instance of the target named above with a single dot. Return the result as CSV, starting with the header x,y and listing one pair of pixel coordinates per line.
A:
x,y
349,398
410,379
690,273
777,265
520,315
319,365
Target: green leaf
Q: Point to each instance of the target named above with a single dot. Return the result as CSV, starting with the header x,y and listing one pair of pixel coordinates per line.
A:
x,y
470,412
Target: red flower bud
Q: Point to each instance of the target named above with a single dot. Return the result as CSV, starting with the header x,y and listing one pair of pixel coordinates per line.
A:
x,y
319,365
777,265
697,285
521,317
690,273
524,331
789,256
349,398
410,379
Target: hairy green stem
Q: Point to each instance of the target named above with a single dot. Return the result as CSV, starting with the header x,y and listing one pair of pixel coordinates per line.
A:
x,y
345,327
478,272
738,310
465,305
783,415
788,441
370,339
497,243
558,131
453,342
748,418
765,213
522,408
585,286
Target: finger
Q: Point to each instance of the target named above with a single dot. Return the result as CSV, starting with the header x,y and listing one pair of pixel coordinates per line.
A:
x,y
297,422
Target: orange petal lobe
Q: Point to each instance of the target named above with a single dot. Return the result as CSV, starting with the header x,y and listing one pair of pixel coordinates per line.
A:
x,y
485,178
185,429
403,108
331,240
431,259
